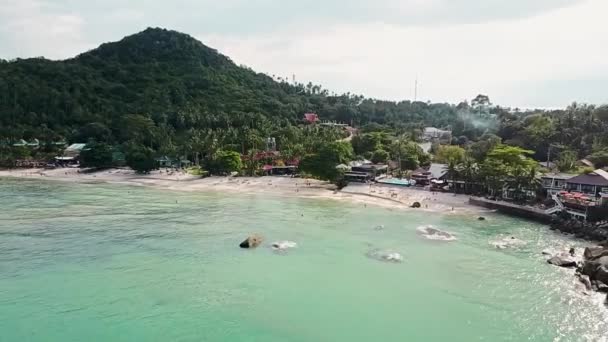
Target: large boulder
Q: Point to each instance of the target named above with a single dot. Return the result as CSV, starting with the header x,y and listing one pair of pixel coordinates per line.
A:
x,y
601,274
592,253
590,268
562,261
584,279
251,242
416,205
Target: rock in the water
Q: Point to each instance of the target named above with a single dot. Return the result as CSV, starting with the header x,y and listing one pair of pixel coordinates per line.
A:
x,y
283,245
481,218
589,268
416,205
562,261
509,242
601,274
584,279
601,287
592,253
388,256
251,242
433,233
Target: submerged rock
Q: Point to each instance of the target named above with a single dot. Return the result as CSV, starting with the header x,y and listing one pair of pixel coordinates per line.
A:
x,y
562,261
251,242
379,227
509,242
388,256
432,233
283,245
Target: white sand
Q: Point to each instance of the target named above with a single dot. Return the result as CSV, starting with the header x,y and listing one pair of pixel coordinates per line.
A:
x,y
365,194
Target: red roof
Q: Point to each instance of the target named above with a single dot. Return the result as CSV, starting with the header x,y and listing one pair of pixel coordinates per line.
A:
x,y
311,117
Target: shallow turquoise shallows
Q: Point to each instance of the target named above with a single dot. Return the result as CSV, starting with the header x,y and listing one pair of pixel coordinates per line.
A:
x,y
97,262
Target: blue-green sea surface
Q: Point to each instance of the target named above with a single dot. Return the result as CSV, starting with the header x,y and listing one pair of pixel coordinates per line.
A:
x,y
97,262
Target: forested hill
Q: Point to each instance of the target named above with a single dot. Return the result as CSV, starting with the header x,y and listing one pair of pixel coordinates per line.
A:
x,y
176,80
167,75
169,92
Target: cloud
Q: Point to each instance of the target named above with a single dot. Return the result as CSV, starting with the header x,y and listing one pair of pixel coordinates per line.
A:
x,y
28,28
452,62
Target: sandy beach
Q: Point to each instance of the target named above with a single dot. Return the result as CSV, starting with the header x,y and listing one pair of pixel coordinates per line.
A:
x,y
384,195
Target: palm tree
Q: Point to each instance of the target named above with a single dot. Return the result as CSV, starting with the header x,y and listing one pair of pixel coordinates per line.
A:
x,y
468,169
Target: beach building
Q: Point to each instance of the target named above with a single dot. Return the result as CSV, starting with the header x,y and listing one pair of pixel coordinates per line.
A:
x,y
164,161
283,170
432,134
593,186
436,172
74,150
553,183
311,118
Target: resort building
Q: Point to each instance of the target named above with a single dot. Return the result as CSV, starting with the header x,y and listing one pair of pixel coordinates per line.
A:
x,y
74,150
553,183
436,173
432,133
366,172
593,186
311,118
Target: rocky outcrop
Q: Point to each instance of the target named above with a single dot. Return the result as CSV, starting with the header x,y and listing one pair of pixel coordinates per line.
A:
x,y
251,242
595,268
562,261
415,205
592,231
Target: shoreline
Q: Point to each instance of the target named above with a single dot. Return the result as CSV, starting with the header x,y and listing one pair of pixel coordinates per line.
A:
x,y
394,197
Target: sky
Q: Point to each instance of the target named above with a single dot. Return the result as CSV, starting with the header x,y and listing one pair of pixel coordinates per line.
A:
x,y
522,53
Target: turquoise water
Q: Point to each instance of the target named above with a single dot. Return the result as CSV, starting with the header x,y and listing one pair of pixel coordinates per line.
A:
x,y
99,262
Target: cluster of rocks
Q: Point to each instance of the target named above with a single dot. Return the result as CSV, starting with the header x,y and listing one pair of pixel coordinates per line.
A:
x,y
592,231
594,268
591,271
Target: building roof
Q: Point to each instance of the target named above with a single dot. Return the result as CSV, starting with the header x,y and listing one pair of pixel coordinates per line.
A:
x,y
597,177
311,117
438,170
75,147
586,162
563,176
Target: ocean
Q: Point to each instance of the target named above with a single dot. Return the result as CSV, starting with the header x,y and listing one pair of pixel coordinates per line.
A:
x,y
101,262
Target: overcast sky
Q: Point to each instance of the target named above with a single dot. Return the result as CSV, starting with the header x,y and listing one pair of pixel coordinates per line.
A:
x,y
522,53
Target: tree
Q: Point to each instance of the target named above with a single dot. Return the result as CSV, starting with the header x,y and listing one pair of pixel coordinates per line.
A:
x,y
323,164
450,155
96,155
93,131
567,161
599,158
227,162
480,149
380,157
140,158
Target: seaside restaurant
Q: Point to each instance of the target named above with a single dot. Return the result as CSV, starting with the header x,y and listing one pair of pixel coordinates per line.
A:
x,y
589,188
366,172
